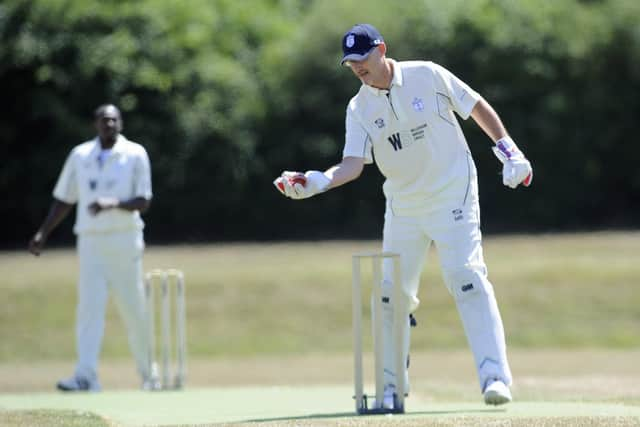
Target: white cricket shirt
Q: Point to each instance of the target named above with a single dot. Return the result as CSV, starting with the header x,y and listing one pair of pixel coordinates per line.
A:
x,y
123,173
411,132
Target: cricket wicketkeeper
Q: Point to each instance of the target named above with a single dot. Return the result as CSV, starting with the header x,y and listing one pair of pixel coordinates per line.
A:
x,y
404,115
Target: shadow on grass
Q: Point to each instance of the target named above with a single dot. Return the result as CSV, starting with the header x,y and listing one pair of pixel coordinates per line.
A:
x,y
353,414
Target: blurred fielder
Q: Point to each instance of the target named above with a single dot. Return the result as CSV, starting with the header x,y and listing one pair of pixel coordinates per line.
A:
x,y
403,118
109,179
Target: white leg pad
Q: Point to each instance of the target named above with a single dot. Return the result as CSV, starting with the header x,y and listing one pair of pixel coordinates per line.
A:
x,y
482,323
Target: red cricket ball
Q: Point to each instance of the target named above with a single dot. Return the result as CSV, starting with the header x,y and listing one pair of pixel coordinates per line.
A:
x,y
296,179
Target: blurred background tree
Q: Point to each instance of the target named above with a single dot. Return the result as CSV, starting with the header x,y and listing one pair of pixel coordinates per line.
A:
x,y
225,95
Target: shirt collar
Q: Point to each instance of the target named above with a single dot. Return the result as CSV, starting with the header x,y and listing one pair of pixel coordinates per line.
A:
x,y
118,147
117,150
396,80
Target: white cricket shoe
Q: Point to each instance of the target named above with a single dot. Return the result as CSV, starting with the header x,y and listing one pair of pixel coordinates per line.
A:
x,y
497,393
151,383
388,401
78,383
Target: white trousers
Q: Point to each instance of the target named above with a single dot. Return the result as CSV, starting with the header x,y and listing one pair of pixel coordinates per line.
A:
x,y
110,262
454,228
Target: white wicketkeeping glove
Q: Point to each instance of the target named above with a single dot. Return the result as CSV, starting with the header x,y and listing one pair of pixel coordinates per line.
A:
x,y
298,186
516,168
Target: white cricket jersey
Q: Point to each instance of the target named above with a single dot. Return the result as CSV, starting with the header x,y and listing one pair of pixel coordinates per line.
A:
x,y
124,173
411,132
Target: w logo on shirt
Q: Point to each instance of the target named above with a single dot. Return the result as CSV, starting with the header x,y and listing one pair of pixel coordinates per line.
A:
x,y
395,141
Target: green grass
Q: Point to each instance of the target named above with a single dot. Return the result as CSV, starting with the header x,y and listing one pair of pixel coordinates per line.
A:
x,y
312,405
269,337
565,290
52,418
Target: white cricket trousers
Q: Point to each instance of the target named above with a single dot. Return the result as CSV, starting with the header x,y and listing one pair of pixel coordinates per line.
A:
x,y
454,229
110,262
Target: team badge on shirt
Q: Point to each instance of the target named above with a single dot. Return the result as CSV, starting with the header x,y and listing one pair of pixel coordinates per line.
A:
x,y
418,105
93,184
379,123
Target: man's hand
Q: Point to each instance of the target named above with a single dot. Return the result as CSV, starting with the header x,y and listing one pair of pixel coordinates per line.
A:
x,y
57,212
293,185
516,168
102,204
36,244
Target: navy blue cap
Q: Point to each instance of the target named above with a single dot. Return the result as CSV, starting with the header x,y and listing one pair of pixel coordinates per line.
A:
x,y
359,41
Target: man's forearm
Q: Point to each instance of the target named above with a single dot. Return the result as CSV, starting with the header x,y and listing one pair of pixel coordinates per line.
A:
x,y
488,120
58,211
107,203
349,169
136,204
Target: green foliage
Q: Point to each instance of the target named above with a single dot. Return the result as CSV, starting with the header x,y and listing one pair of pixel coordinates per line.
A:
x,y
226,94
